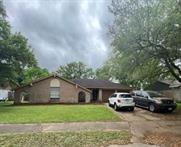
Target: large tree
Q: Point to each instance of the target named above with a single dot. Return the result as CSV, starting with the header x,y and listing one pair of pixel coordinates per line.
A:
x,y
15,53
75,70
33,73
105,71
146,39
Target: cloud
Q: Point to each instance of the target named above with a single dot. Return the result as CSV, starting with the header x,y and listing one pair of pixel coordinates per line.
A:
x,y
62,31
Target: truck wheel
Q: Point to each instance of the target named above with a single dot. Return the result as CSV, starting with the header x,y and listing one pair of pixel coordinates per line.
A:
x,y
115,107
152,108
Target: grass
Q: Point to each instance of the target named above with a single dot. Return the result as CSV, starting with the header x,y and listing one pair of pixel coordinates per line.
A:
x,y
178,106
54,113
66,139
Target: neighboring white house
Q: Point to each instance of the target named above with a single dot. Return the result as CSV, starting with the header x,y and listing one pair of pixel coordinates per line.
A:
x,y
174,91
4,94
169,88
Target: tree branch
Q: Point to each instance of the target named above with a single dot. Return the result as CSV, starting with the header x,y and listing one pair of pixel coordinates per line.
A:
x,y
176,67
172,71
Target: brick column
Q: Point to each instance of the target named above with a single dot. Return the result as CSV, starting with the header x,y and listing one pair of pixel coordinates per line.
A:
x,y
100,95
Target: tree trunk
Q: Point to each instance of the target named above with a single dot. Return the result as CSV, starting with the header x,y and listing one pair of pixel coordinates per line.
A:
x,y
169,66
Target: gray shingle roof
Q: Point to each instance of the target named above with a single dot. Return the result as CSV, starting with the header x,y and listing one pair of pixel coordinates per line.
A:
x,y
104,84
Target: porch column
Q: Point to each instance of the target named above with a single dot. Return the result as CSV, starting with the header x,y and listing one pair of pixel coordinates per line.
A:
x,y
100,95
116,91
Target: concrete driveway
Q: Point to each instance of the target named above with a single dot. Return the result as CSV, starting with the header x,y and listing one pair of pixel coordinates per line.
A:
x,y
160,129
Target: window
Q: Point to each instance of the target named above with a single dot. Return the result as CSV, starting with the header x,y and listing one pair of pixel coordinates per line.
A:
x,y
139,94
55,89
114,95
25,97
54,92
133,94
125,95
154,94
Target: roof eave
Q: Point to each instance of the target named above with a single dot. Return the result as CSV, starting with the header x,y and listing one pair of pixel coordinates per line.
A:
x,y
111,88
53,75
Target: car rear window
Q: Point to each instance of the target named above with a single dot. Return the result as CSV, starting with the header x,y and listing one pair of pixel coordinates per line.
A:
x,y
125,95
113,95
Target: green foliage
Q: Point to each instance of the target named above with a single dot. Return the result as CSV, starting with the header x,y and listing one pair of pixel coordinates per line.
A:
x,y
146,41
104,72
75,70
179,106
15,53
33,73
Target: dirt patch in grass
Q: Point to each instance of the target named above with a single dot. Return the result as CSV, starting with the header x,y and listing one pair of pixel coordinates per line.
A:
x,y
66,139
167,139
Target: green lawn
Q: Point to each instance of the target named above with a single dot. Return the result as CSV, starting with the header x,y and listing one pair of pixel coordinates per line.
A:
x,y
179,106
66,139
54,113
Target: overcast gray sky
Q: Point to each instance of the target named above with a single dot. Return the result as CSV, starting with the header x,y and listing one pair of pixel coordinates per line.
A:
x,y
62,31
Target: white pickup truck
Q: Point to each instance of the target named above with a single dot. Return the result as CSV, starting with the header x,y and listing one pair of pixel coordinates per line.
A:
x,y
121,100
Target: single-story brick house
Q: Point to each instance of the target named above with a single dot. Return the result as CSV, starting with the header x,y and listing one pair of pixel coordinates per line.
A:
x,y
52,89
55,89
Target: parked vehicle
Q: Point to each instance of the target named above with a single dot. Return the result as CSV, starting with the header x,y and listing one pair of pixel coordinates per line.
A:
x,y
153,101
121,100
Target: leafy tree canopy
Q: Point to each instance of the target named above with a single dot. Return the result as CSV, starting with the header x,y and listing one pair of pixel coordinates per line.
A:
x,y
105,72
15,53
75,70
33,73
146,41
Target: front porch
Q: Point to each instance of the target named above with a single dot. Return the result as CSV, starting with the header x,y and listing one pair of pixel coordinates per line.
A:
x,y
101,95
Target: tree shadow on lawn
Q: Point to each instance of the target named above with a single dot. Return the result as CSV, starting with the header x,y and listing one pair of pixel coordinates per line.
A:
x,y
7,104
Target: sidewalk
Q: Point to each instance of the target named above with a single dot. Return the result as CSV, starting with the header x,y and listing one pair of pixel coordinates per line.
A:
x,y
62,127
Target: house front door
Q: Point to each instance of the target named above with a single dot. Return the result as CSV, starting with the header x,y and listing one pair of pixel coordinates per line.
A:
x,y
95,95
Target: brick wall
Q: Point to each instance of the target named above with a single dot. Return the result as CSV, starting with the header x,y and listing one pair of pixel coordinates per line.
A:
x,y
40,92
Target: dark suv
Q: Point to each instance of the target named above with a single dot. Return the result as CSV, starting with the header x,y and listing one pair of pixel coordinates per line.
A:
x,y
153,101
